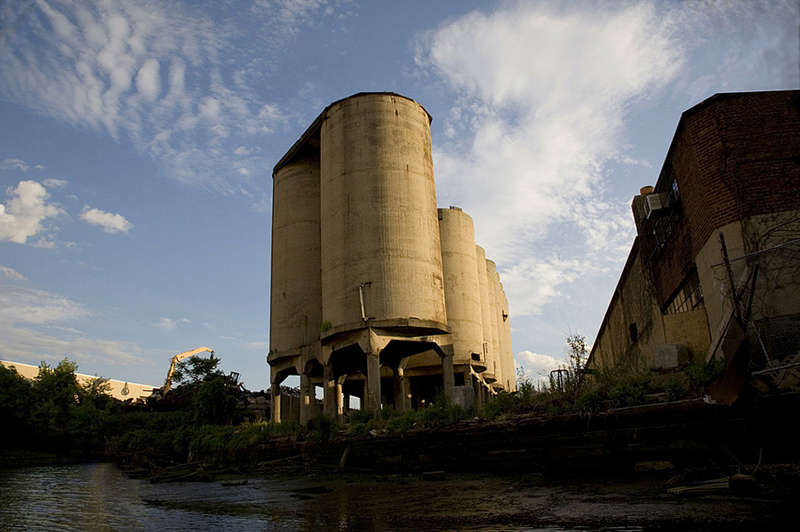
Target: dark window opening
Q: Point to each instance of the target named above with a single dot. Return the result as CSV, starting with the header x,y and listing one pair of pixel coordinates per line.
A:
x,y
476,357
634,332
688,296
459,379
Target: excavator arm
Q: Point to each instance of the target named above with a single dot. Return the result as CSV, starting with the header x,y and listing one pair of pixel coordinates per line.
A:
x,y
177,358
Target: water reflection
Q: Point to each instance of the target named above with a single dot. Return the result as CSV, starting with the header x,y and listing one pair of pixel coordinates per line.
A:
x,y
94,497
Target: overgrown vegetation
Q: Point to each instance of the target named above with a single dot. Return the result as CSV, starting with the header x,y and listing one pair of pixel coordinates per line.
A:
x,y
572,389
204,417
438,414
54,412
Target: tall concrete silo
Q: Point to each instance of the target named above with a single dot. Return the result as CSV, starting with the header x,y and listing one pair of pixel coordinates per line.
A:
x,y
295,289
509,350
495,366
381,257
486,323
502,342
461,287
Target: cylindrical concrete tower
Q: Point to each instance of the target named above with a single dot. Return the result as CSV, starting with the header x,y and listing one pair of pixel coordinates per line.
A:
x,y
486,313
502,348
511,372
379,229
295,291
461,285
494,328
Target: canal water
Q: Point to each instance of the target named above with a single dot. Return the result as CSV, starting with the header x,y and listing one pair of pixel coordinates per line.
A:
x,y
99,496
92,497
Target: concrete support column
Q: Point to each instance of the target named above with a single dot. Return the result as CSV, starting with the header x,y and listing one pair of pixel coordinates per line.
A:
x,y
478,389
448,376
306,398
402,396
373,384
339,397
346,402
328,392
276,401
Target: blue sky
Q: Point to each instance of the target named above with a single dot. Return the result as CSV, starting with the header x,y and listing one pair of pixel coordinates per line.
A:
x,y
137,140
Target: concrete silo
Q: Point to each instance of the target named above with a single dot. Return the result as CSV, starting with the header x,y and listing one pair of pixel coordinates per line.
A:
x,y
500,319
461,288
496,366
295,288
486,314
362,302
381,258
506,352
382,283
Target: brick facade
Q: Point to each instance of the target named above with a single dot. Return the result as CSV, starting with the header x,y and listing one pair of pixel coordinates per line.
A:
x,y
734,159
733,156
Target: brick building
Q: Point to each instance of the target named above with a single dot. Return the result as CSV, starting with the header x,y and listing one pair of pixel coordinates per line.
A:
x,y
715,268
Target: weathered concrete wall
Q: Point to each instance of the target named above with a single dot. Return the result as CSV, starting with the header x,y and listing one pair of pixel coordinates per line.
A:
x,y
486,315
462,291
495,346
121,390
509,350
295,287
379,223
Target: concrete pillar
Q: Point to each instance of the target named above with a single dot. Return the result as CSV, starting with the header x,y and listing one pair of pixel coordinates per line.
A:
x,y
447,376
306,398
328,392
478,389
346,402
276,401
339,397
373,384
402,395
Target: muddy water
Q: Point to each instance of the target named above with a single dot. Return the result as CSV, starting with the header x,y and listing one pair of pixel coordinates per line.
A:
x,y
100,497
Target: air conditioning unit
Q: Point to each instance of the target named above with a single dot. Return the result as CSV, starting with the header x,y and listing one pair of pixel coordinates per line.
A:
x,y
654,203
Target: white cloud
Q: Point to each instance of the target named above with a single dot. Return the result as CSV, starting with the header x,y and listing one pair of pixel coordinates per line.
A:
x,y
176,81
543,94
54,183
241,150
537,366
18,164
166,323
27,305
11,273
256,346
31,330
148,81
24,213
170,323
107,221
543,91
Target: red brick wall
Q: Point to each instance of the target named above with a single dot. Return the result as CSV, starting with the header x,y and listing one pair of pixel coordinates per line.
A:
x,y
733,156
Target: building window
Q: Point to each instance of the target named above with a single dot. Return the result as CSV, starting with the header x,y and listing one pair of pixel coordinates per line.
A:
x,y
688,296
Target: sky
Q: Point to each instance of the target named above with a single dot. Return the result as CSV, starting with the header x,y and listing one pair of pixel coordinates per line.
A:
x,y
137,140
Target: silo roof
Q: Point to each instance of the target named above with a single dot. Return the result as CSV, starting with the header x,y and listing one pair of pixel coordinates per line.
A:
x,y
310,137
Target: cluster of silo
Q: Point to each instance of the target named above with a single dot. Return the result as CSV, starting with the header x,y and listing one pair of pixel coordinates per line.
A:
x,y
374,292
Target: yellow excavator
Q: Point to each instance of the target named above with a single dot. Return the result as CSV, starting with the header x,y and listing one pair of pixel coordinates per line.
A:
x,y
177,358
